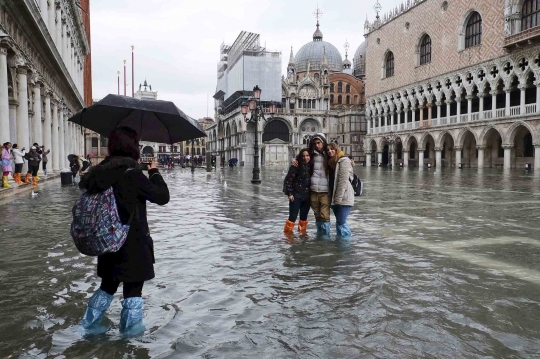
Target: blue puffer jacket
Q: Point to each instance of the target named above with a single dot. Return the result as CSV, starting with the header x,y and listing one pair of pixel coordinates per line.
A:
x,y
319,179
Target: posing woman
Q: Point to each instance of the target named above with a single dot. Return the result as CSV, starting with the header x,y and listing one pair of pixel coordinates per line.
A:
x,y
19,162
6,164
296,186
133,264
342,193
33,159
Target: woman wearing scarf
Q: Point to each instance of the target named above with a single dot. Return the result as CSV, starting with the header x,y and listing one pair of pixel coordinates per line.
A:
x,y
340,171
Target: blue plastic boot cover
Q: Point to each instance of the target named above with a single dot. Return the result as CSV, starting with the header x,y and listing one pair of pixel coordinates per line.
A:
x,y
97,306
131,317
343,230
319,227
325,228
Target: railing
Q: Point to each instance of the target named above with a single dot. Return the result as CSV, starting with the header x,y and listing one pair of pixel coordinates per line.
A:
x,y
409,126
416,124
435,122
401,126
425,123
530,108
464,118
499,112
444,121
488,115
453,119
515,111
475,116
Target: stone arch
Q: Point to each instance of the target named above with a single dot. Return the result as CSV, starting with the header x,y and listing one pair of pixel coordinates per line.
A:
x,y
290,128
461,136
372,143
148,150
319,124
509,138
463,26
276,128
482,136
423,139
408,141
440,140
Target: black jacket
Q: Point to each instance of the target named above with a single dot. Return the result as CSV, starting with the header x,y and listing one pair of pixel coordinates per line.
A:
x,y
134,262
33,158
298,181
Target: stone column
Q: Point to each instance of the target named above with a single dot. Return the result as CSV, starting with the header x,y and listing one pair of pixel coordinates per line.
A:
x,y
538,96
392,121
43,9
458,155
507,156
493,104
23,130
67,141
368,124
420,158
481,96
61,139
52,22
438,157
55,149
399,117
448,104
47,141
438,103
4,98
413,114
421,114
37,131
368,159
537,157
379,157
58,26
405,158
507,106
469,108
480,156
406,117
458,110
522,99
430,111
13,121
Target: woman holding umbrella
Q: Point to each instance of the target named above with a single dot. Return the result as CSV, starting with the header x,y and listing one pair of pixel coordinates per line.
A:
x,y
133,264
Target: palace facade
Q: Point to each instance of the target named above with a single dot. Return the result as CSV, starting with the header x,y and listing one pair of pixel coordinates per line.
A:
x,y
454,83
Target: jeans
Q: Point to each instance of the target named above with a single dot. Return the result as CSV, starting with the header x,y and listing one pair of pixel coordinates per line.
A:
x,y
133,289
298,206
341,213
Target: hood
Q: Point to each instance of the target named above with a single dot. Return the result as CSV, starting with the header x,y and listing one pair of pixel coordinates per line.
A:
x,y
106,174
320,136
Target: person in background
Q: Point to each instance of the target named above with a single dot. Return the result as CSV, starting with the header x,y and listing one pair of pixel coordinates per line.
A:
x,y
133,264
296,186
44,159
39,151
33,159
19,162
76,166
341,190
6,164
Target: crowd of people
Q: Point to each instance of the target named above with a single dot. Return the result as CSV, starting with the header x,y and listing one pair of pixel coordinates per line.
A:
x,y
320,178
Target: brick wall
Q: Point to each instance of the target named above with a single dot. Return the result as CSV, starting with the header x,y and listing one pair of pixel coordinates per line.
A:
x,y
444,28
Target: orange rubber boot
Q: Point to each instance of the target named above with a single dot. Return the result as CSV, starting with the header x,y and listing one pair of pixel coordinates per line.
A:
x,y
18,178
289,226
34,180
27,178
302,226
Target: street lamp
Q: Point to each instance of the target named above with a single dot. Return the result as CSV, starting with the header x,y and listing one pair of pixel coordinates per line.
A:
x,y
253,106
390,139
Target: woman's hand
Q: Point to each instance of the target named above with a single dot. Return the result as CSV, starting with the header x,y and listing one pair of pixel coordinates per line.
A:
x,y
153,165
291,198
294,163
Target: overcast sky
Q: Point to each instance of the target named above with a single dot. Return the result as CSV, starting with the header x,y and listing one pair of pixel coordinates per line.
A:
x,y
177,41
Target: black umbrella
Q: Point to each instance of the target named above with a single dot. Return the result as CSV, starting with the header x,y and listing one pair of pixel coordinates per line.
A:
x,y
154,121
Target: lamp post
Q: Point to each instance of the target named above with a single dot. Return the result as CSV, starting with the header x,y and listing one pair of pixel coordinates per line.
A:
x,y
390,139
253,106
192,156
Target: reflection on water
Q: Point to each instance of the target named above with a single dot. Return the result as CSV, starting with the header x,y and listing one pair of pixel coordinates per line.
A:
x,y
441,264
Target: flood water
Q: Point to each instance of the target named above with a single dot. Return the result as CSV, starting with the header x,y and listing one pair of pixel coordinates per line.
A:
x,y
441,265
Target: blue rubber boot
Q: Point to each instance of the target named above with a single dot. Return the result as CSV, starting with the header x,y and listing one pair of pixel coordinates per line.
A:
x,y
131,317
343,231
319,227
325,228
97,306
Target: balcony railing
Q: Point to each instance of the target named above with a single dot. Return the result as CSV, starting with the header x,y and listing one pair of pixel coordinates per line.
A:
x,y
499,112
488,115
475,116
463,118
453,119
515,110
530,108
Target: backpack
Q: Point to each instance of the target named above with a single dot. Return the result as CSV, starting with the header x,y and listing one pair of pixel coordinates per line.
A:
x,y
358,186
96,228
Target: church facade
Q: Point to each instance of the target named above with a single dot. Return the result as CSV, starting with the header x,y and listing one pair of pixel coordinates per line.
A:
x,y
321,93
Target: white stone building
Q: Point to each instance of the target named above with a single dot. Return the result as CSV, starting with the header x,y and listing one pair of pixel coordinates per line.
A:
x,y
43,46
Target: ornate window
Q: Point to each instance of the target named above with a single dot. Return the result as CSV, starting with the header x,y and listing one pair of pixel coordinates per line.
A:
x,y
473,31
339,100
348,100
316,76
331,87
389,64
340,87
530,14
425,50
331,99
348,87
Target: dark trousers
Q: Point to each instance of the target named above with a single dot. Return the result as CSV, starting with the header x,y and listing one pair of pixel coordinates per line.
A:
x,y
33,170
301,206
44,165
18,167
132,289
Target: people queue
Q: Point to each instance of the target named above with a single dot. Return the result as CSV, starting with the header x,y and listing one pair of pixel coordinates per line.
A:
x,y
13,159
320,178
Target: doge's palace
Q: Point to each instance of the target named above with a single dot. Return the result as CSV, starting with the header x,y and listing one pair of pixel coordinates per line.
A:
x,y
43,49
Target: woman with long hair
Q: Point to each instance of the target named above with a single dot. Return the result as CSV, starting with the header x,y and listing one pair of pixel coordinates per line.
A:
x,y
340,171
296,187
133,264
19,162
6,164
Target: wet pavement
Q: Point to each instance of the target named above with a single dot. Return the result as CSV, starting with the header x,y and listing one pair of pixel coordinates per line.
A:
x,y
441,265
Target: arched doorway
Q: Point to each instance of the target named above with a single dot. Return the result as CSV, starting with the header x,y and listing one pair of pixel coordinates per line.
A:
x,y
148,151
469,155
385,155
429,150
494,153
448,155
276,139
523,151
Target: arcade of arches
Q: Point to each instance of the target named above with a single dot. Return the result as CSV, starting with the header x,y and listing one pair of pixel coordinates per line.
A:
x,y
509,145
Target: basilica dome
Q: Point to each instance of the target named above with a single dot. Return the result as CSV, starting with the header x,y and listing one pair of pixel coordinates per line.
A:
x,y
359,61
314,51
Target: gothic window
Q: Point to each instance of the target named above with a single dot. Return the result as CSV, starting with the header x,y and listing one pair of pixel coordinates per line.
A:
x,y
316,76
331,87
187,150
340,87
530,14
389,64
425,50
331,99
198,151
296,122
356,99
348,100
348,88
473,32
339,100
94,142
